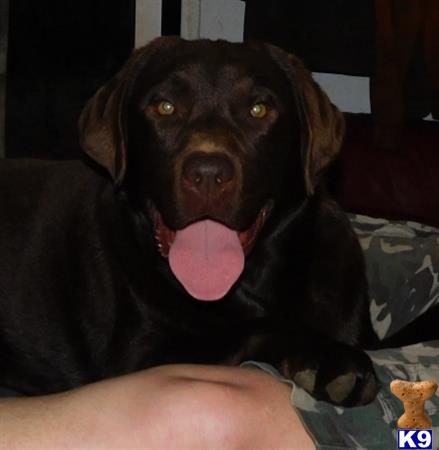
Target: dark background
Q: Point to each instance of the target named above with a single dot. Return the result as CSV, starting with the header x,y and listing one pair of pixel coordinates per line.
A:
x,y
59,53
335,36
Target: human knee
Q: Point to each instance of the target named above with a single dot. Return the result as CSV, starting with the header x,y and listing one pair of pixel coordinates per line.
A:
x,y
218,412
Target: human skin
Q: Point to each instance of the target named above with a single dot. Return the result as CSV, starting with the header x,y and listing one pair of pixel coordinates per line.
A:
x,y
168,407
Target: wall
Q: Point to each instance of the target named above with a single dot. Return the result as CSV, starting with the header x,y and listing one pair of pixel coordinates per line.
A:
x,y
213,19
148,21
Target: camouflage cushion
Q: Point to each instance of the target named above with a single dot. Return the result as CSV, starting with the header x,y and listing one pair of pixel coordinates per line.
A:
x,y
402,261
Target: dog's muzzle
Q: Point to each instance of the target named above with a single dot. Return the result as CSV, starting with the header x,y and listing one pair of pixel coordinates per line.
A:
x,y
207,257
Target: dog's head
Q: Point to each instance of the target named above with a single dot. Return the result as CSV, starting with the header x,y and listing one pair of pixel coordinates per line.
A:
x,y
207,138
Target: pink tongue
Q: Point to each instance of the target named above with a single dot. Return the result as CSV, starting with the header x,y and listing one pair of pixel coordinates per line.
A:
x,y
207,258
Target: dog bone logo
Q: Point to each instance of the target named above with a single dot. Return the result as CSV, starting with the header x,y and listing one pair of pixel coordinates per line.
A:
x,y
413,396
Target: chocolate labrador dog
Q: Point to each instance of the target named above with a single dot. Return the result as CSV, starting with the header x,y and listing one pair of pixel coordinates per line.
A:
x,y
197,230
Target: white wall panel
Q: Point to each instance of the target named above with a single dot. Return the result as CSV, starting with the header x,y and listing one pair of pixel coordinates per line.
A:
x,y
148,21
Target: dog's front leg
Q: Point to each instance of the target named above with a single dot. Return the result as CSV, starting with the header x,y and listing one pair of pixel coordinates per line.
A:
x,y
327,369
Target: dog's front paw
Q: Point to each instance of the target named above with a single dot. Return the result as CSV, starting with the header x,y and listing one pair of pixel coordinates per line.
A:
x,y
338,374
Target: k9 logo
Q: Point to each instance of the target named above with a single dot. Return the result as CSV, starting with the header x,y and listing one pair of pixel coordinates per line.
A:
x,y
415,439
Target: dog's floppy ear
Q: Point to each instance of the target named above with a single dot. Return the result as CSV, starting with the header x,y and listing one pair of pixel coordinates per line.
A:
x,y
102,121
323,122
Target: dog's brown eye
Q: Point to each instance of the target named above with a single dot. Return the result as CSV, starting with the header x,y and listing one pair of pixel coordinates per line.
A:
x,y
165,108
259,110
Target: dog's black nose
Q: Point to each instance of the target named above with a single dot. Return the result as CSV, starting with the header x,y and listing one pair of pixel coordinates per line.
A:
x,y
208,173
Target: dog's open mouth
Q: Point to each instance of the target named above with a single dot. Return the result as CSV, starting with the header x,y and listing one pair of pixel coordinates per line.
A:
x,y
206,257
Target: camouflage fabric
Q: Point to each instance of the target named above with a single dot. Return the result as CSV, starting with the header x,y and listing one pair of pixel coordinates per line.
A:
x,y
373,426
402,261
403,270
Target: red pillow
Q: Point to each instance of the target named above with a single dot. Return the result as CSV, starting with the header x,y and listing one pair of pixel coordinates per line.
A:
x,y
398,184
